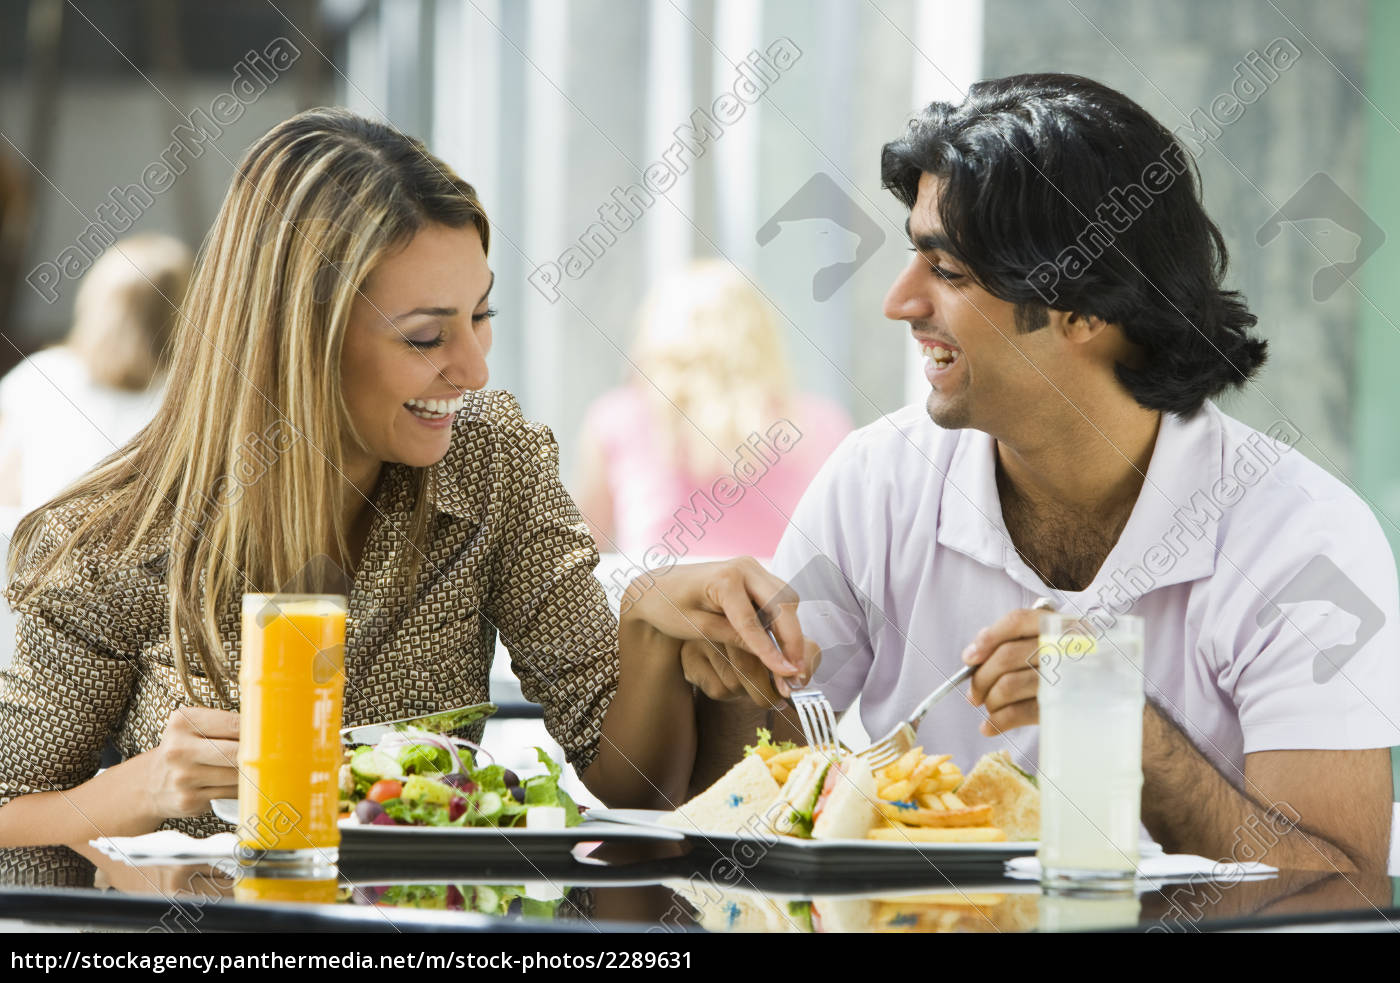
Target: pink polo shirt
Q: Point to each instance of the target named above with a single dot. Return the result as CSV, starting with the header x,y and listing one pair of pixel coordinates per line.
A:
x,y
1267,587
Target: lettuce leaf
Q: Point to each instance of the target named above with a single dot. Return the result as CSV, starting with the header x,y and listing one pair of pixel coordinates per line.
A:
x,y
544,790
765,740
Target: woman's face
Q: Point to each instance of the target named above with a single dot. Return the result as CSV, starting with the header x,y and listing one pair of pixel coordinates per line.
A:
x,y
418,336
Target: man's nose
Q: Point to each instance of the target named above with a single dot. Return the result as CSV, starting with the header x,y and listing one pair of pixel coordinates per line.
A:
x,y
906,301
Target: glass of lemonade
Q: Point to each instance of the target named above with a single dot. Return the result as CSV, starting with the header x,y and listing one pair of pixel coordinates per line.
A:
x,y
291,692
1091,704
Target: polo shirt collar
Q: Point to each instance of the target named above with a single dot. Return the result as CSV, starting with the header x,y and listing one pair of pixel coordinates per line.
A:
x,y
1169,538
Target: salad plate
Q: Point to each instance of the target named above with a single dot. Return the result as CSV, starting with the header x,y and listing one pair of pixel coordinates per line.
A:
x,y
416,794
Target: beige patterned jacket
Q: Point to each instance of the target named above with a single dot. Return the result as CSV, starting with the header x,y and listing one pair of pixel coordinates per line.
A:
x,y
507,552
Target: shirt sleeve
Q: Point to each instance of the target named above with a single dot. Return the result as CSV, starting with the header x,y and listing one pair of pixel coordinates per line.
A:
x,y
1313,662
68,688
552,613
816,558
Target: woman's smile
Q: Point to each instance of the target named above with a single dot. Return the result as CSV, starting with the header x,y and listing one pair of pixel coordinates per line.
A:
x,y
436,413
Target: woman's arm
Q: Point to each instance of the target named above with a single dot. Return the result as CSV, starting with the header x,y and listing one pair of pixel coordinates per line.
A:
x,y
101,806
63,696
196,761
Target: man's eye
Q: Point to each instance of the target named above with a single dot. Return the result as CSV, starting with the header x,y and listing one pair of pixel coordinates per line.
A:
x,y
945,274
490,313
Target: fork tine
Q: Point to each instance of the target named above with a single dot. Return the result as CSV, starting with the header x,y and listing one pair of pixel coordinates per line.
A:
x,y
817,717
879,755
804,718
828,713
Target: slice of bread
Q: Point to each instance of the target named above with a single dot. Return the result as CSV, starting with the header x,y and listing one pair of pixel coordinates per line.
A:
x,y
735,803
848,809
1014,799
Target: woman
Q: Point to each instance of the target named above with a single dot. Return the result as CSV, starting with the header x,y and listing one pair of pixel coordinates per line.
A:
x,y
711,372
326,400
65,408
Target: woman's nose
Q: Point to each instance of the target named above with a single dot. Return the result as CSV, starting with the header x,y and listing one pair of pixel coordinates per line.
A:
x,y
468,369
906,301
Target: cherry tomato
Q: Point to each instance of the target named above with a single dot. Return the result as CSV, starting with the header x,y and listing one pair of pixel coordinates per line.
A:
x,y
385,789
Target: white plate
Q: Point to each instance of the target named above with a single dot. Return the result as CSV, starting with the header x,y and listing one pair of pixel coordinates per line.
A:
x,y
590,829
833,856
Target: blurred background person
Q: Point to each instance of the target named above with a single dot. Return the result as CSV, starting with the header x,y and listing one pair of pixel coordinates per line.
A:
x,y
65,408
709,384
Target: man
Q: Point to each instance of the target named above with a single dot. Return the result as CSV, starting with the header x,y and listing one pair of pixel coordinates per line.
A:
x,y
1066,289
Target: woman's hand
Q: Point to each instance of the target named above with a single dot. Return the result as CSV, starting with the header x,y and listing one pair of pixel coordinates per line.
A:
x,y
727,672
732,605
196,760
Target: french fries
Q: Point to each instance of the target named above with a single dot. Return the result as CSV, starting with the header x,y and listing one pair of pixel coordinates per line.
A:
x,y
781,763
936,816
924,834
918,802
916,774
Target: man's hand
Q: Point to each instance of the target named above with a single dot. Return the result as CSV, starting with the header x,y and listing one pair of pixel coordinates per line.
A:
x,y
728,672
1007,680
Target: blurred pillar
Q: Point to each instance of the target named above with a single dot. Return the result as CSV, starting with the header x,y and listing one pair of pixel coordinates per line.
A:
x,y
1377,402
948,43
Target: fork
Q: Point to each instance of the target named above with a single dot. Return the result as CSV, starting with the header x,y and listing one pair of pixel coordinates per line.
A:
x,y
818,719
889,748
814,712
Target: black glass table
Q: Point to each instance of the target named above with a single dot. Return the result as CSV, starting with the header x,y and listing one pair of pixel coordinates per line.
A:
x,y
656,887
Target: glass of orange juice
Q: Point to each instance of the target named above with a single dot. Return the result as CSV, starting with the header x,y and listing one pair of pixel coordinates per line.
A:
x,y
318,890
291,692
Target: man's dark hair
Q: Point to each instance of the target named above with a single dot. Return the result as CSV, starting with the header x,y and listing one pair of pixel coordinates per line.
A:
x,y
1061,193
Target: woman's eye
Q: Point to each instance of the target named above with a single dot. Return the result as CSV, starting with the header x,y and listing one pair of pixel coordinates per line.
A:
x,y
426,342
488,315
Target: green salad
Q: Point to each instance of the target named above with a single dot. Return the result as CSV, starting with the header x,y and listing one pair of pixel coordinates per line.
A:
x,y
414,777
496,899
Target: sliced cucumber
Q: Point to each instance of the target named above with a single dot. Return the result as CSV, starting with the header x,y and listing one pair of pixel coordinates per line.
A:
x,y
374,766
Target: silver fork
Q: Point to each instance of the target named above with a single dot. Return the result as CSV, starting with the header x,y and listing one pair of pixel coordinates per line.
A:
x,y
893,745
889,748
818,719
814,712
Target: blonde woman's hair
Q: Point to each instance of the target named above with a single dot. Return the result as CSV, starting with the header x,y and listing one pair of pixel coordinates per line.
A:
x,y
126,308
314,206
708,341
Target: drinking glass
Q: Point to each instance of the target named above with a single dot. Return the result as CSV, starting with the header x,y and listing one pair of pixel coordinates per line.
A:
x,y
291,689
1091,703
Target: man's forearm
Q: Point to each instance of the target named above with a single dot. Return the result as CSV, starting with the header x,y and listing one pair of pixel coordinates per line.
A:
x,y
726,727
649,736
1189,807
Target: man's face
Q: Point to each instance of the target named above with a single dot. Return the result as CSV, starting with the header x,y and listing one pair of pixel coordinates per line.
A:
x,y
983,373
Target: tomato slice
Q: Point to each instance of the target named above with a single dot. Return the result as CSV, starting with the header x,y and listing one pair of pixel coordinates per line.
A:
x,y
385,789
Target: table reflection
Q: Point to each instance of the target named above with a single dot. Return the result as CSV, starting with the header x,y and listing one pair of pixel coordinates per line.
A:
x,y
657,889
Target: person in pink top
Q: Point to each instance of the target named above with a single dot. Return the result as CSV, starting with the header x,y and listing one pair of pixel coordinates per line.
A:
x,y
706,449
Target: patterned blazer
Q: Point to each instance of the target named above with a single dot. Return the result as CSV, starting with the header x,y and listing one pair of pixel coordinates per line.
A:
x,y
507,552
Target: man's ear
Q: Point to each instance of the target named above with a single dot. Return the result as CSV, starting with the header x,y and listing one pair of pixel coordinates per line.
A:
x,y
1079,329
